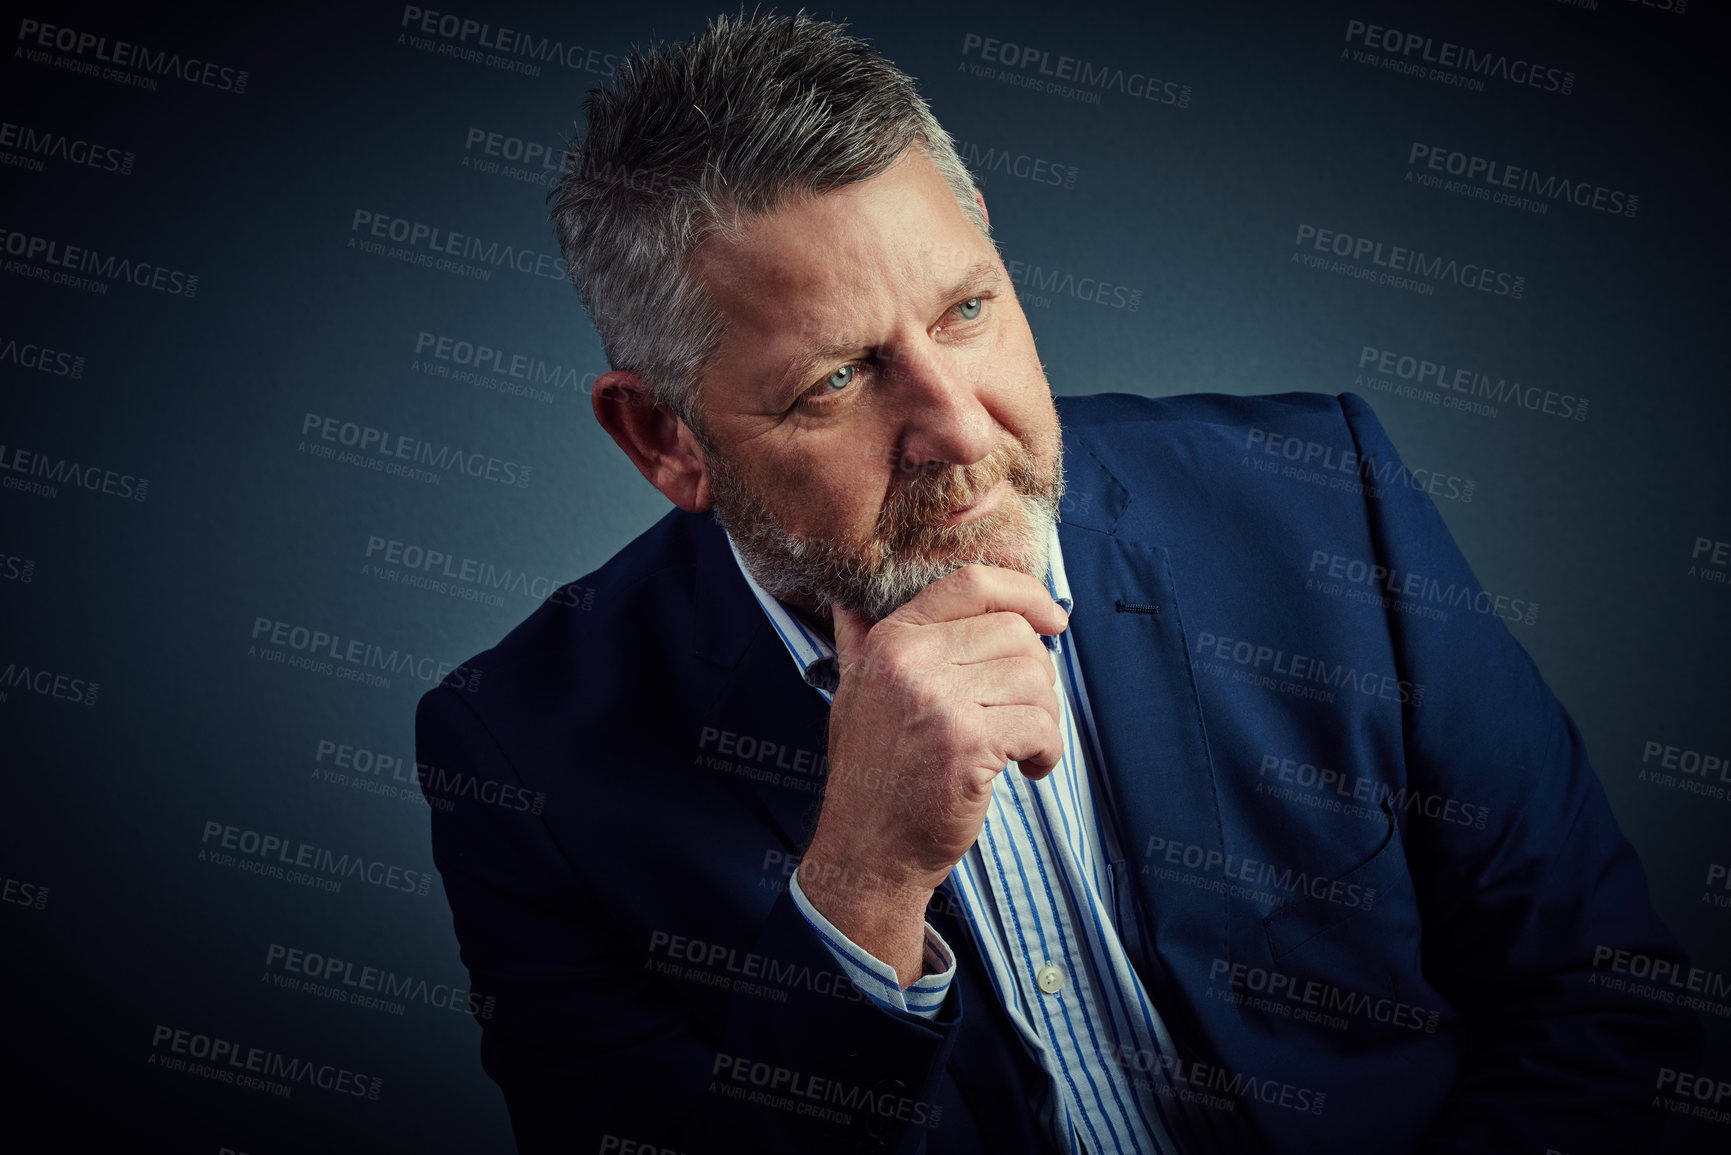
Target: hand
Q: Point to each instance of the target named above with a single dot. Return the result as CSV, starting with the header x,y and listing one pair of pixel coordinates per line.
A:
x,y
932,702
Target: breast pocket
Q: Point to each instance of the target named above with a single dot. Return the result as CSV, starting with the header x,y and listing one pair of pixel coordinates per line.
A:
x,y
1349,921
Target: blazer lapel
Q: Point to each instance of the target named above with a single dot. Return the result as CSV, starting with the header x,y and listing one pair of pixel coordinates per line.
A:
x,y
1157,775
762,728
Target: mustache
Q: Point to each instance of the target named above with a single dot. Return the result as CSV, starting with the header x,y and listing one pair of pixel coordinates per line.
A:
x,y
912,508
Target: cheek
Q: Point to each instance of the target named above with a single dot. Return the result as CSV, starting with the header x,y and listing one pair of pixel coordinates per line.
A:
x,y
1013,362
835,496
1014,374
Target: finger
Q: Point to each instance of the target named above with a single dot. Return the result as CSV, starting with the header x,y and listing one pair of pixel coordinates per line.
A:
x,y
1029,738
1023,680
982,589
1003,634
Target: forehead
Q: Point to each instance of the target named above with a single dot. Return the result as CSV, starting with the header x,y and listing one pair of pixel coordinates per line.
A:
x,y
822,267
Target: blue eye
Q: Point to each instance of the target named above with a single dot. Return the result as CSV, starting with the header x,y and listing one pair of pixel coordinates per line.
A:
x,y
970,308
840,379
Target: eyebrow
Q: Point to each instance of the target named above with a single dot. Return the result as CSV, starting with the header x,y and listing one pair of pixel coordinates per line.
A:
x,y
978,277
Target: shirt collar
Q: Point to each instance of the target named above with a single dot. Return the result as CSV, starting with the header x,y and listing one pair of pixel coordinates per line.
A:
x,y
816,658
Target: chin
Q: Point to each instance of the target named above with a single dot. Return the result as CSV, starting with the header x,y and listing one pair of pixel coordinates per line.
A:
x,y
1021,557
1011,539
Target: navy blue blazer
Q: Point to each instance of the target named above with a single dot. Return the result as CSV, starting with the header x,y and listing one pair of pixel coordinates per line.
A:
x,y
1368,868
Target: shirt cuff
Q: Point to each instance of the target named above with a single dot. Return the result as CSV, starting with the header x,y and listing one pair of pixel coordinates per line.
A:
x,y
875,978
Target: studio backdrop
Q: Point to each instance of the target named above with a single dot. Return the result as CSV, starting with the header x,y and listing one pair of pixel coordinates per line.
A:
x,y
297,418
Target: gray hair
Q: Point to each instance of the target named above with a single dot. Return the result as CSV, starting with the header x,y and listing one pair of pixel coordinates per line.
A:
x,y
738,120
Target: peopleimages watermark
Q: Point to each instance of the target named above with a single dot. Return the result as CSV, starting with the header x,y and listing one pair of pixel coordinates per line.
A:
x,y
1718,877
449,785
36,145
42,474
744,972
1715,567
1690,771
1427,58
466,359
1208,1085
983,161
612,1144
435,247
513,157
269,854
89,270
1675,7
229,1062
1399,266
1077,79
1431,380
1324,464
762,759
441,571
496,46
1303,675
24,678
41,358
1499,183
1232,868
363,772
1333,790
1408,592
92,54
353,659
1661,981
1039,281
373,988
815,1096
1312,1000
1667,976
369,447
17,569
1699,1096
17,892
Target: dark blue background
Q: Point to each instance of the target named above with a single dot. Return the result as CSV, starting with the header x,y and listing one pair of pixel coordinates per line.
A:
x,y
1196,207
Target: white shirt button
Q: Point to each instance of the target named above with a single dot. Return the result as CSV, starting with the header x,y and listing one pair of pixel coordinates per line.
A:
x,y
1050,979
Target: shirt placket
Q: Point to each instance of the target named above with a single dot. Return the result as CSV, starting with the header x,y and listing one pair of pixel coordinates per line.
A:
x,y
1022,866
1126,1031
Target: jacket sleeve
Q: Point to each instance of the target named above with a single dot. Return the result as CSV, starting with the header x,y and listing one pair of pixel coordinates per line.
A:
x,y
595,1049
1522,921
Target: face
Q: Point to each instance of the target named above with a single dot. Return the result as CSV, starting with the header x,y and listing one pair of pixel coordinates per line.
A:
x,y
876,416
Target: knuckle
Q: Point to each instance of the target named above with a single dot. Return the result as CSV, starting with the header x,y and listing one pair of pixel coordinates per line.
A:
x,y
969,580
1035,672
895,660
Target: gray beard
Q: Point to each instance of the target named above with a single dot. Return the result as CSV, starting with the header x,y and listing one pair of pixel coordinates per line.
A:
x,y
788,566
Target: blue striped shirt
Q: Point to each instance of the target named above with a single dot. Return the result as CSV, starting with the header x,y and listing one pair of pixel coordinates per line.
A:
x,y
1037,896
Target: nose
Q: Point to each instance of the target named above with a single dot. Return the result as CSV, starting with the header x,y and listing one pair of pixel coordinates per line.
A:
x,y
944,419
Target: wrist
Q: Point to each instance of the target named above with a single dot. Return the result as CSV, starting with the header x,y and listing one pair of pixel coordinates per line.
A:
x,y
860,892
881,914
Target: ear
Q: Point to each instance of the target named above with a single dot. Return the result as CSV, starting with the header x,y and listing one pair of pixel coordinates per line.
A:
x,y
980,199
659,444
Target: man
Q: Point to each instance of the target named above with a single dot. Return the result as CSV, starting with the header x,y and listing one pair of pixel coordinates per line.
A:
x,y
986,783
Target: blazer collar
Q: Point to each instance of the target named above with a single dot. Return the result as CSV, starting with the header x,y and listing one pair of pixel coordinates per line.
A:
x,y
727,615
